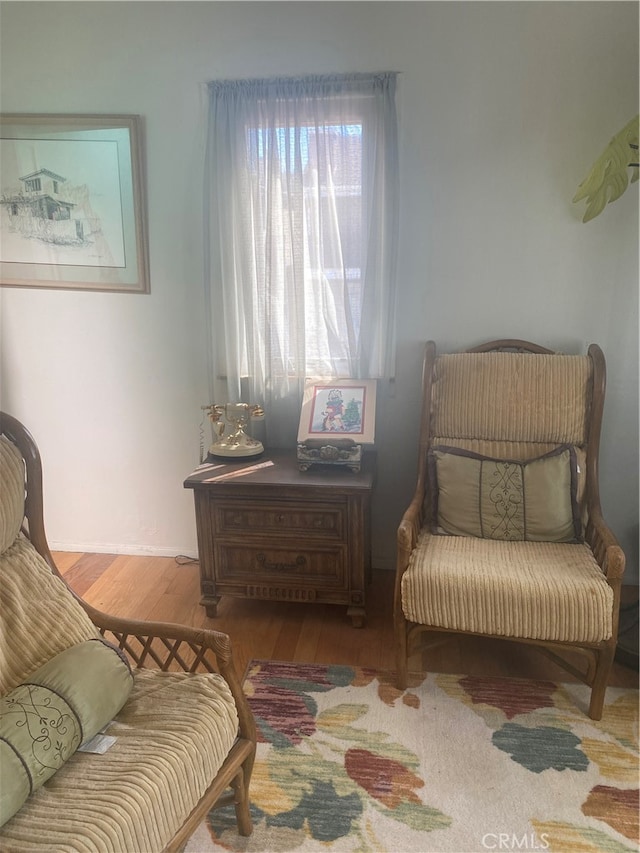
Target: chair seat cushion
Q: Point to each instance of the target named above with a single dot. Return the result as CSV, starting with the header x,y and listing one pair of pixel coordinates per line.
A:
x,y
173,735
535,590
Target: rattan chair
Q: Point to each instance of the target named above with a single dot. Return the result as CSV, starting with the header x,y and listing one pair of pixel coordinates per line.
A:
x,y
504,536
195,675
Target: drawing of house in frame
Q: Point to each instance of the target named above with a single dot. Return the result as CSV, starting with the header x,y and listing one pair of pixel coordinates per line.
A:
x,y
39,211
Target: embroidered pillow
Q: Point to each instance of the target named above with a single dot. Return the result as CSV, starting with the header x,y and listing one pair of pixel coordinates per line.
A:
x,y
489,498
60,706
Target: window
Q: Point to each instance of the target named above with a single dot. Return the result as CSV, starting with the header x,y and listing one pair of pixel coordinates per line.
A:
x,y
326,213
34,185
301,201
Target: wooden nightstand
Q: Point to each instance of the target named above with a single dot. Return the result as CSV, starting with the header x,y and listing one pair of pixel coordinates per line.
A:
x,y
268,530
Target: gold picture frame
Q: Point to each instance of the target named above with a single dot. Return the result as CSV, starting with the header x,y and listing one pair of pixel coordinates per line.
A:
x,y
338,409
72,202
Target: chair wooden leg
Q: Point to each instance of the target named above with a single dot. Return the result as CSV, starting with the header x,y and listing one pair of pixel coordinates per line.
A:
x,y
600,680
241,803
402,675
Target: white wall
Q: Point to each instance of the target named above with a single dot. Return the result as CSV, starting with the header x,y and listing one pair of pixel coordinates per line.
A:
x,y
503,108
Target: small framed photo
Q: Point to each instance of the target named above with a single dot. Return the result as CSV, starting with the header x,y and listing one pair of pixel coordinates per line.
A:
x,y
72,202
339,408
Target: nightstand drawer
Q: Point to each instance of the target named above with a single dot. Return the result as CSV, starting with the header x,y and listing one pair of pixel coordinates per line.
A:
x,y
242,562
324,521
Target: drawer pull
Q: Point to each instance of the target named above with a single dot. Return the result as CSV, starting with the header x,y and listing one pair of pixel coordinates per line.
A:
x,y
280,567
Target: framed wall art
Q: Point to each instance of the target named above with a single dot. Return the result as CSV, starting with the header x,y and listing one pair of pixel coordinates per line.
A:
x,y
338,409
72,206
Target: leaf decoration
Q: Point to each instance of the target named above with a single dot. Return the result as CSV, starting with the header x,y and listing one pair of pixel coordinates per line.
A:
x,y
336,722
613,760
609,178
417,816
556,836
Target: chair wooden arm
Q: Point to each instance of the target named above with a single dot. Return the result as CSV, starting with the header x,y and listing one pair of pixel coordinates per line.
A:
x,y
198,640
408,532
173,647
608,553
410,525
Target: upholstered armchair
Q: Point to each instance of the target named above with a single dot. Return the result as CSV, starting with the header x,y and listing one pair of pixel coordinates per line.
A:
x,y
504,536
179,740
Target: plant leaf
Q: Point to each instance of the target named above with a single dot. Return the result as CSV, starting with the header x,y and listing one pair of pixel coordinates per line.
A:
x,y
608,178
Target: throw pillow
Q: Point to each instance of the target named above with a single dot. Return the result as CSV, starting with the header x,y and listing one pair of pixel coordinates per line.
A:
x,y
60,706
489,498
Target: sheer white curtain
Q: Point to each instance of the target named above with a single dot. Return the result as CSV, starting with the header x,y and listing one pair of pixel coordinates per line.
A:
x,y
301,227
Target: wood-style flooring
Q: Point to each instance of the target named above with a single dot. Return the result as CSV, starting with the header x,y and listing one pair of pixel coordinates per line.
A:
x,y
165,589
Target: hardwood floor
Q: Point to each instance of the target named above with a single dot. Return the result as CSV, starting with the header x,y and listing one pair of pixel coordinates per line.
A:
x,y
161,588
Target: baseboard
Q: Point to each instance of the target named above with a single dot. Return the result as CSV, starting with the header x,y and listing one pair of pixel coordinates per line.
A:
x,y
129,550
154,551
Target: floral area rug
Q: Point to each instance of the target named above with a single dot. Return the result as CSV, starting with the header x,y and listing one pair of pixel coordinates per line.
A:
x,y
346,762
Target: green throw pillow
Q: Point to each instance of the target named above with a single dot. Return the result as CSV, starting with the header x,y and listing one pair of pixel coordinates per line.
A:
x,y
57,709
489,498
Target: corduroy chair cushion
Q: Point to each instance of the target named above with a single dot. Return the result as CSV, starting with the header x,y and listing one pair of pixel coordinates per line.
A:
x,y
39,616
173,735
515,397
535,590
